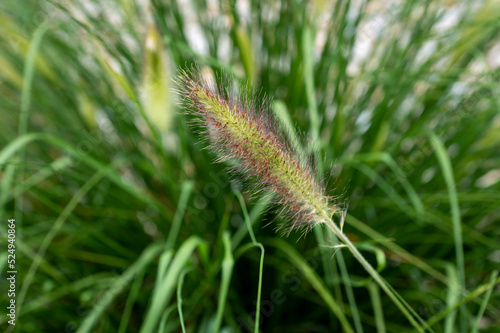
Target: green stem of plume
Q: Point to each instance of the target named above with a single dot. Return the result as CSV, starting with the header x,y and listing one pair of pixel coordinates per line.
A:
x,y
388,290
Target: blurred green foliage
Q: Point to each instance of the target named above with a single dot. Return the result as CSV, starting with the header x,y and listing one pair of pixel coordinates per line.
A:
x,y
124,223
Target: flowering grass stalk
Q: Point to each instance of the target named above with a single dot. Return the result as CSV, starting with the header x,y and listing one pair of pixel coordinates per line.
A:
x,y
244,130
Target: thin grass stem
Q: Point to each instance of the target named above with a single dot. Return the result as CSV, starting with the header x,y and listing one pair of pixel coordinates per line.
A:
x,y
366,265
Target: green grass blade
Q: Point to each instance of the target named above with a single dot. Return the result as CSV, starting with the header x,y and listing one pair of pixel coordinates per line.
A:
x,y
179,298
258,209
187,188
29,72
307,50
447,170
452,297
348,288
168,283
281,112
378,311
131,299
484,303
118,285
227,271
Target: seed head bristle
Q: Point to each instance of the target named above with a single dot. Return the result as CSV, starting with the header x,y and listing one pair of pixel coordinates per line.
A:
x,y
245,130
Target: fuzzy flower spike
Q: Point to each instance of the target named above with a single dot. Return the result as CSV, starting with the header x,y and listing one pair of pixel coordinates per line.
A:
x,y
243,130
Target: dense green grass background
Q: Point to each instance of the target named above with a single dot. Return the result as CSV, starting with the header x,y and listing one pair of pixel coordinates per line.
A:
x,y
125,224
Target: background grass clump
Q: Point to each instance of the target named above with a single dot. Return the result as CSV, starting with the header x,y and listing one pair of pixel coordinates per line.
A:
x,y
125,224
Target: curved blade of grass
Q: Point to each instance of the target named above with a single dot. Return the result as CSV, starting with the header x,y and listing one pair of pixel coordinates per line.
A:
x,y
119,284
227,271
179,297
162,327
379,255
445,164
257,210
262,252
167,285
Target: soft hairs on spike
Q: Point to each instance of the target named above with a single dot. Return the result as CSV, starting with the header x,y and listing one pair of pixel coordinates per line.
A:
x,y
240,130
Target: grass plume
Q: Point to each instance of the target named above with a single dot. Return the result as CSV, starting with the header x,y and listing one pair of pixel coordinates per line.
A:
x,y
245,130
